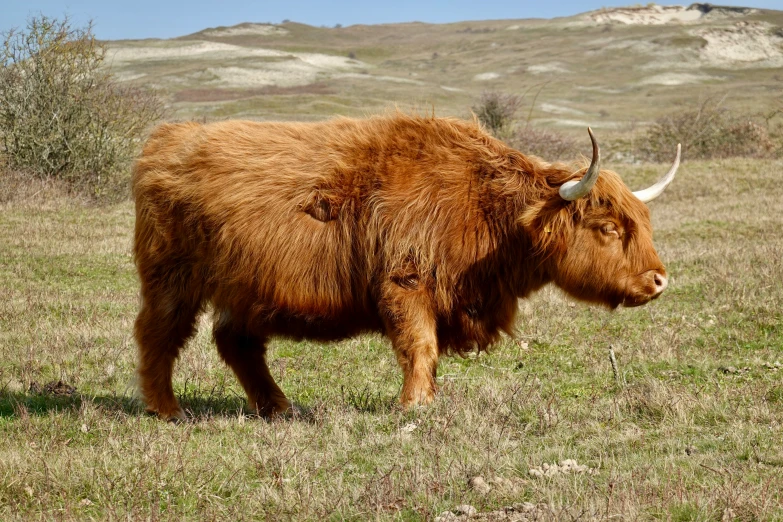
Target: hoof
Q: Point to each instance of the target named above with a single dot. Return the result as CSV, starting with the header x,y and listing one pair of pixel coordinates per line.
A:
x,y
279,408
413,400
176,417
289,409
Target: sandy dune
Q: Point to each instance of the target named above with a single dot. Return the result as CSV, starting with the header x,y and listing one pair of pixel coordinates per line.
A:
x,y
270,67
121,55
744,43
659,14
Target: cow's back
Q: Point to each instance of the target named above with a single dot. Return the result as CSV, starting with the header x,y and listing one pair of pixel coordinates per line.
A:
x,y
246,206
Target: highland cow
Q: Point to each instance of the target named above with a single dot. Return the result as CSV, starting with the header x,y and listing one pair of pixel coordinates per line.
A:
x,y
425,229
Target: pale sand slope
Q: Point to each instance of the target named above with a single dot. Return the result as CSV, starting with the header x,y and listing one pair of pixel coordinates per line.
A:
x,y
659,15
744,43
260,67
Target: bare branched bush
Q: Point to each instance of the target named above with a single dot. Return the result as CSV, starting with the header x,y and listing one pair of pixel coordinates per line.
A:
x,y
711,131
497,110
63,115
546,144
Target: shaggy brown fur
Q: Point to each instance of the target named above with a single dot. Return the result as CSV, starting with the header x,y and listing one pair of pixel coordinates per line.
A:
x,y
425,229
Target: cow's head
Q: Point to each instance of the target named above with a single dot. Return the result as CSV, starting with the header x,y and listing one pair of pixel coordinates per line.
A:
x,y
597,237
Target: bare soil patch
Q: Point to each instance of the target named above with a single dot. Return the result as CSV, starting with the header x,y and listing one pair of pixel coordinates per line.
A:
x,y
675,78
220,95
247,30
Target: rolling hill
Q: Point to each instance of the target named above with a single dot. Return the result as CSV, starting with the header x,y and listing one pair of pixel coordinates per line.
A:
x,y
611,68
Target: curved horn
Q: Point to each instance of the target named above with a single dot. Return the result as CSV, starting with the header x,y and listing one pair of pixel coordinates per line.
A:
x,y
653,192
571,190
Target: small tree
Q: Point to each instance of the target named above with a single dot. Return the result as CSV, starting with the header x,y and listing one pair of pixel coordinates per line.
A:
x,y
496,110
62,114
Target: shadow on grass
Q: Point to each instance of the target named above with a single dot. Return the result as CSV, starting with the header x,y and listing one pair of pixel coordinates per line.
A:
x,y
18,404
198,405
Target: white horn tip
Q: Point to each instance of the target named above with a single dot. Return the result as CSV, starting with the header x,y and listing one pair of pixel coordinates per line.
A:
x,y
654,191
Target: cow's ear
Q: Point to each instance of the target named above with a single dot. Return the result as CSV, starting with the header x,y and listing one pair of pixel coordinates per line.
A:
x,y
547,225
320,207
530,217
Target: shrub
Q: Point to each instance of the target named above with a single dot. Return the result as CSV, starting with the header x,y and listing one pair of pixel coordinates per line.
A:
x,y
62,114
709,132
496,110
546,144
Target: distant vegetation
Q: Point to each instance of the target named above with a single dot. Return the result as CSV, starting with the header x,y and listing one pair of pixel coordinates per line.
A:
x,y
497,110
548,144
712,131
63,116
709,132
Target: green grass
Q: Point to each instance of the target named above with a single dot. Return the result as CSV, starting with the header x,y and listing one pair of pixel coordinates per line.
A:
x,y
691,432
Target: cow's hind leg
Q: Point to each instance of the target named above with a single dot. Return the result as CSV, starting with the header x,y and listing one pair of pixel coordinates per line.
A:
x,y
162,328
246,355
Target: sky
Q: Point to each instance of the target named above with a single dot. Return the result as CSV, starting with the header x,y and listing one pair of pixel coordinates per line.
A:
x,y
132,19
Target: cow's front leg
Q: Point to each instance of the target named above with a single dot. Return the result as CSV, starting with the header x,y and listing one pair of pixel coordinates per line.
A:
x,y
411,325
419,362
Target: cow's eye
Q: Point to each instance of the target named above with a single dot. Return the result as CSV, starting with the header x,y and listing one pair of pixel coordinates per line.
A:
x,y
610,229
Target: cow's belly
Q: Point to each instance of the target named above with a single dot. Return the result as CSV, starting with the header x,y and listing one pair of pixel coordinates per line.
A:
x,y
321,328
296,314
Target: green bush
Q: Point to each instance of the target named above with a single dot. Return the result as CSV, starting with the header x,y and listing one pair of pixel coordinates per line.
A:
x,y
63,115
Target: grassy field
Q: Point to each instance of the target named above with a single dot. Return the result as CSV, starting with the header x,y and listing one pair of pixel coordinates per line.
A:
x,y
689,430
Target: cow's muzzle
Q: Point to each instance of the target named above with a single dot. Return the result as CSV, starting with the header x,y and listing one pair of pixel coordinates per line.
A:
x,y
653,283
660,282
